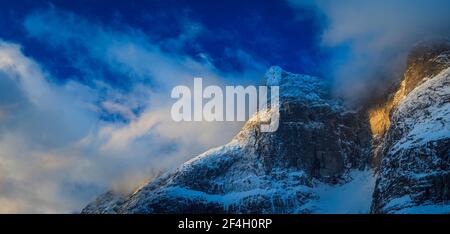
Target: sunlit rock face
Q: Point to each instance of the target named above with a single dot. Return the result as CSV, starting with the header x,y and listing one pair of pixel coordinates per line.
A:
x,y
414,174
319,147
425,60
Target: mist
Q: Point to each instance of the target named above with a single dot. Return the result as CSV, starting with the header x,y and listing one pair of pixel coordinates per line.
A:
x,y
57,150
370,41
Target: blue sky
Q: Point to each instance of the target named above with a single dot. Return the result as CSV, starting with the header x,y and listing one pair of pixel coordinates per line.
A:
x,y
85,85
232,37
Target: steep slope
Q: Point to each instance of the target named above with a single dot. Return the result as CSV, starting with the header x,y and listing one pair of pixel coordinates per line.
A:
x,y
414,175
316,162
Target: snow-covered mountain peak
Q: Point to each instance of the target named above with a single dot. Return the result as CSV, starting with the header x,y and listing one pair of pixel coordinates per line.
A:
x,y
320,160
316,145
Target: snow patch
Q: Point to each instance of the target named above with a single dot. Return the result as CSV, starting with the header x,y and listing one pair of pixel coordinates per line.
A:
x,y
354,197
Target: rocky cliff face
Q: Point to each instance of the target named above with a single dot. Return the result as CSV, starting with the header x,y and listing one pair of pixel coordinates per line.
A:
x,y
320,158
414,174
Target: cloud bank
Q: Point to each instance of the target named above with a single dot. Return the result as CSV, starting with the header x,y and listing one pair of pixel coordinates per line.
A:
x,y
371,39
59,143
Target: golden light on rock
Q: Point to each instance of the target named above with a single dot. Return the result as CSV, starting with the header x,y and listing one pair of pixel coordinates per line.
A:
x,y
379,120
379,116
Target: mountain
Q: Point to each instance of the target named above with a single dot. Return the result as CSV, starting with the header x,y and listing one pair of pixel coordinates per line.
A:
x,y
324,157
319,148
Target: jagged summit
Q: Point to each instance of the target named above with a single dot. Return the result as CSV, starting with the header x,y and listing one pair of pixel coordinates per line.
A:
x,y
319,147
301,87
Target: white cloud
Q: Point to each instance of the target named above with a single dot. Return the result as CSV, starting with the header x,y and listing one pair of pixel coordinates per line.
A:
x,y
117,108
56,152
